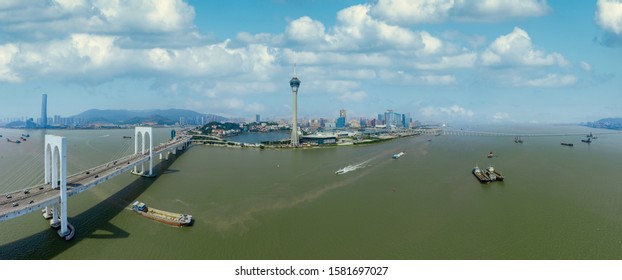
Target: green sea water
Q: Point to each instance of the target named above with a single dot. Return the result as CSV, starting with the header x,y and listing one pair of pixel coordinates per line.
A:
x,y
557,202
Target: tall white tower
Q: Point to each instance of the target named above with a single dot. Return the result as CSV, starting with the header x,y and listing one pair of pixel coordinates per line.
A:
x,y
294,83
44,111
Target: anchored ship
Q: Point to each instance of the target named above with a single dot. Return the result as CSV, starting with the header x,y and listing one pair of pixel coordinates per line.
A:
x,y
166,217
480,175
488,175
493,174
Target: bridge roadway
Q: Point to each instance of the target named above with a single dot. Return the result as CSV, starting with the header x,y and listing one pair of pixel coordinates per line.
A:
x,y
37,197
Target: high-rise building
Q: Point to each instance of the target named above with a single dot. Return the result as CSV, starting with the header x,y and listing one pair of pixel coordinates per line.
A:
x,y
294,83
257,118
341,121
44,111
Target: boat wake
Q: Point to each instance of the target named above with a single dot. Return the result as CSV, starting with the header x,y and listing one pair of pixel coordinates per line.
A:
x,y
351,167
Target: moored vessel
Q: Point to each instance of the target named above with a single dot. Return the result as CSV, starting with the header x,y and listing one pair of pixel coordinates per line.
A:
x,y
493,174
166,217
480,175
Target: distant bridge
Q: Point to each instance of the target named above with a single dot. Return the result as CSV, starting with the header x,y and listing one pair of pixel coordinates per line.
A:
x,y
53,193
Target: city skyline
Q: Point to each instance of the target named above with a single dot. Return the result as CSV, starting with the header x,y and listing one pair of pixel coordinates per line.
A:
x,y
473,61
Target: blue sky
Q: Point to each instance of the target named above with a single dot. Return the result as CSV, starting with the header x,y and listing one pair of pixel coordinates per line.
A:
x,y
479,61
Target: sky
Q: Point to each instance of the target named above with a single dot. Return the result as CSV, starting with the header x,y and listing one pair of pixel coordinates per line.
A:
x,y
478,61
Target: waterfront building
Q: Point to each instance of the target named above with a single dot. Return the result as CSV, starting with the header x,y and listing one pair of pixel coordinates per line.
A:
x,y
294,83
44,111
341,121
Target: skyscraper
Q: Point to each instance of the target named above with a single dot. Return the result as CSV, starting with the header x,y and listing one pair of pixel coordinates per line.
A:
x,y
294,83
341,121
44,111
257,118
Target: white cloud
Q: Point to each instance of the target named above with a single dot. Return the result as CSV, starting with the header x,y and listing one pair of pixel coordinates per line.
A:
x,y
356,96
412,12
585,66
436,11
97,16
438,79
355,29
306,30
452,111
466,60
500,116
516,49
550,80
609,15
7,53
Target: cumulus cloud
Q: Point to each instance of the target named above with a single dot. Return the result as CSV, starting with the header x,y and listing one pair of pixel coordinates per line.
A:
x,y
436,11
466,60
452,111
550,80
94,16
516,49
609,15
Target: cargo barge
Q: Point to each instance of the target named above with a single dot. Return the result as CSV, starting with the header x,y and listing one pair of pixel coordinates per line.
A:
x,y
174,219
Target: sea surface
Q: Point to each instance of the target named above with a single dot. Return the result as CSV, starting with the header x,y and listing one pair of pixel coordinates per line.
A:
x,y
557,202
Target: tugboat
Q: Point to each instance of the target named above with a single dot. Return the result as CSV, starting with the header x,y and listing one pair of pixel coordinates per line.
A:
x,y
166,217
480,175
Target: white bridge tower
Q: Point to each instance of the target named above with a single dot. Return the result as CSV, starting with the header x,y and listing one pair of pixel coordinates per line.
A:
x,y
144,133
56,175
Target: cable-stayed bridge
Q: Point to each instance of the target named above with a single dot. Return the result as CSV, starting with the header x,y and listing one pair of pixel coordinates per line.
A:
x,y
57,187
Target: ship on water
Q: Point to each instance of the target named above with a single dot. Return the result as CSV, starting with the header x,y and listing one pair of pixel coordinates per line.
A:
x,y
345,170
398,155
166,217
480,175
487,175
11,141
493,174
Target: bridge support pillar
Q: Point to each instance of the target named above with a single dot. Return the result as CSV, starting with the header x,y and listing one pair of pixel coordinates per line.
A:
x,y
144,132
56,175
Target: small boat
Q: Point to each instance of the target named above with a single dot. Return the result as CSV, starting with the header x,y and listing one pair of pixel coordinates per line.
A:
x,y
490,155
567,144
23,139
589,140
398,155
11,141
345,170
26,135
518,140
483,178
127,137
166,217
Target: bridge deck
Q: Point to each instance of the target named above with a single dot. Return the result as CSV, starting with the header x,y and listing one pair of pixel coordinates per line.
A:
x,y
27,200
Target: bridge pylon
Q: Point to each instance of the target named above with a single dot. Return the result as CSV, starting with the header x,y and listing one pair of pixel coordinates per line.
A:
x,y
56,175
144,133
